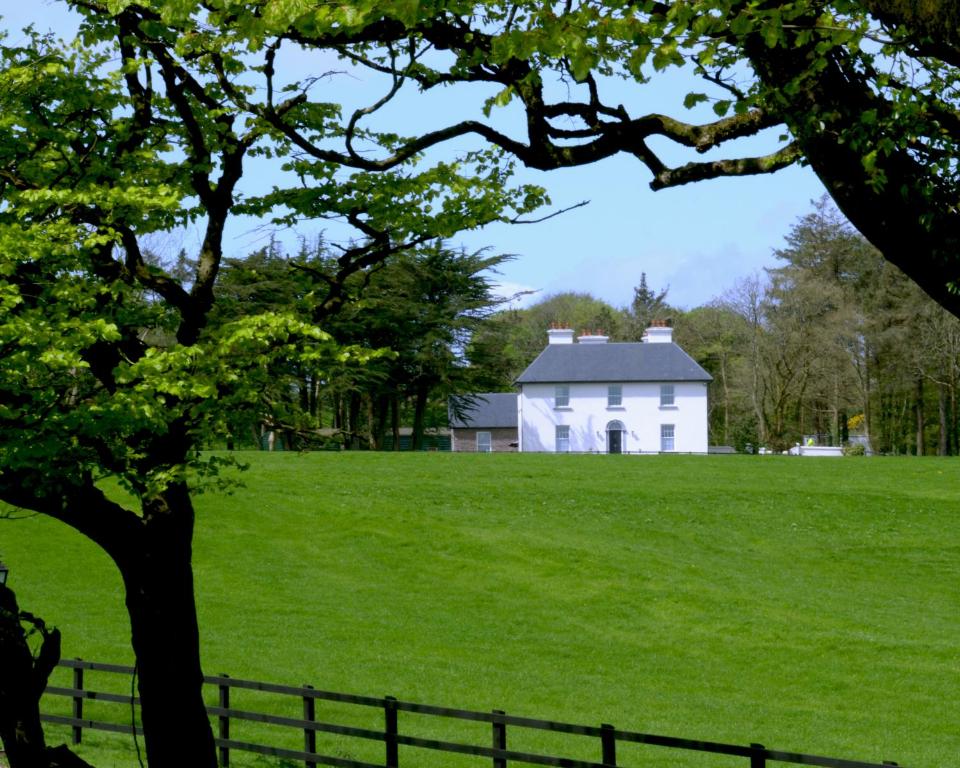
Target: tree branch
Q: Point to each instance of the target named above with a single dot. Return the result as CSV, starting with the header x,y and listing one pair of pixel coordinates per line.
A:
x,y
747,166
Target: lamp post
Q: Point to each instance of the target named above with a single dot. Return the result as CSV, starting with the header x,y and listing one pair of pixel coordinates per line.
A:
x,y
4,572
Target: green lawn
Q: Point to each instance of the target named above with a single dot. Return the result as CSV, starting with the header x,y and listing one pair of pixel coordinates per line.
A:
x,y
808,604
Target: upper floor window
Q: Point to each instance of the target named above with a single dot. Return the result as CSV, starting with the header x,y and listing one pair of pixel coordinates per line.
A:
x,y
563,439
561,396
614,396
484,442
666,395
667,437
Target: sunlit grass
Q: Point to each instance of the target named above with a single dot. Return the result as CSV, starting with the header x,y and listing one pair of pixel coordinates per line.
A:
x,y
808,604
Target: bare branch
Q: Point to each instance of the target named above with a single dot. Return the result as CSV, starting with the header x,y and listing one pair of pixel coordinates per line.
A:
x,y
581,204
397,84
747,166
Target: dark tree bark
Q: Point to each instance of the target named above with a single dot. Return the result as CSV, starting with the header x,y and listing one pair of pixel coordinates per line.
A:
x,y
918,411
896,216
23,679
165,634
381,407
419,414
395,421
354,421
943,446
152,551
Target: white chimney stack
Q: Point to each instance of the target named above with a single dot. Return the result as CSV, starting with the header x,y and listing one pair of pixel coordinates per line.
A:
x,y
659,332
557,335
594,337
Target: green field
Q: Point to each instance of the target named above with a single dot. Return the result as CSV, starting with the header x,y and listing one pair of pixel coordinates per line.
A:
x,y
807,604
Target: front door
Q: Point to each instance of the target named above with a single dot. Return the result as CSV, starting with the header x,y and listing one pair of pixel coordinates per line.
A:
x,y
614,441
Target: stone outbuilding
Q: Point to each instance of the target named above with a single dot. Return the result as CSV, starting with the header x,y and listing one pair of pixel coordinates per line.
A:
x,y
484,422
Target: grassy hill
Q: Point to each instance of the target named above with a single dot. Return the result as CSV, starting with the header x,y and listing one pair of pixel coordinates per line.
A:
x,y
811,605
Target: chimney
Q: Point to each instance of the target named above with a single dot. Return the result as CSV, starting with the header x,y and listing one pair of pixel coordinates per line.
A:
x,y
659,332
559,335
592,337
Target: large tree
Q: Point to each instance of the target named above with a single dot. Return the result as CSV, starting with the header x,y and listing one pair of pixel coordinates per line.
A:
x,y
109,366
864,91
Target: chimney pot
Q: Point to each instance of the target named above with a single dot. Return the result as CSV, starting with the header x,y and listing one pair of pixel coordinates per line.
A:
x,y
592,338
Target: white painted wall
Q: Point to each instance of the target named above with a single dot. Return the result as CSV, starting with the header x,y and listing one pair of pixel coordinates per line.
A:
x,y
588,416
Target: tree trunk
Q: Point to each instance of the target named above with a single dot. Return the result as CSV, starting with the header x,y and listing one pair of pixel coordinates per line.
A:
x,y
867,416
419,414
354,420
897,216
395,421
942,448
20,690
158,577
919,412
953,411
152,550
381,406
836,409
338,411
23,679
303,391
726,400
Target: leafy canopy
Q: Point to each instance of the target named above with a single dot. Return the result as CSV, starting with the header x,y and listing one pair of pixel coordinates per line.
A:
x,y
140,128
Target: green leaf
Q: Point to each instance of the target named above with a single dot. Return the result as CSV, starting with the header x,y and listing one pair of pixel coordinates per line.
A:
x,y
722,107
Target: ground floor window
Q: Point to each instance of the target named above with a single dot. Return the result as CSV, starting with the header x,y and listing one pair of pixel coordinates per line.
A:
x,y
563,439
484,442
666,437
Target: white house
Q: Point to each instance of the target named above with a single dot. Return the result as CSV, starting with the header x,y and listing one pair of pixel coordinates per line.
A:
x,y
588,395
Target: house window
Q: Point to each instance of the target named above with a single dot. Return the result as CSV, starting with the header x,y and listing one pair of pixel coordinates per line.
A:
x,y
484,442
666,395
614,396
563,439
666,437
561,396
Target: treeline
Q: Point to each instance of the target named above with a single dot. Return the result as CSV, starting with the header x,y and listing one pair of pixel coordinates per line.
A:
x,y
412,315
834,342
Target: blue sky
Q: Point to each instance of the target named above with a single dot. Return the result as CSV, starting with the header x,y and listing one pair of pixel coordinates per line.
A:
x,y
699,239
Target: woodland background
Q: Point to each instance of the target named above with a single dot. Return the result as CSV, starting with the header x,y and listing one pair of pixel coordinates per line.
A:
x,y
834,342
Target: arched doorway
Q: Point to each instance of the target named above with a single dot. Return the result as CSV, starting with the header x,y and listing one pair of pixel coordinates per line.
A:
x,y
616,437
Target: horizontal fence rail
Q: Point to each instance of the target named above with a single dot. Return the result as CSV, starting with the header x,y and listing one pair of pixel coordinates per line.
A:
x,y
495,752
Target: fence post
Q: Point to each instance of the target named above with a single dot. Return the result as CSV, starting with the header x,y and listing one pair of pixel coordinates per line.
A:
x,y
224,722
390,731
758,756
309,735
499,739
78,702
608,743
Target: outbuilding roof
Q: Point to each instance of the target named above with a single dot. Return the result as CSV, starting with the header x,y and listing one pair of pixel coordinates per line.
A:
x,y
489,410
562,363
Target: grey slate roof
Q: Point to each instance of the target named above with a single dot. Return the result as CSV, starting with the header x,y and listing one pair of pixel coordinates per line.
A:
x,y
563,363
485,410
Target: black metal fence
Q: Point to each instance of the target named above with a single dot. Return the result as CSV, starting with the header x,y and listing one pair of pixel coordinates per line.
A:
x,y
383,726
